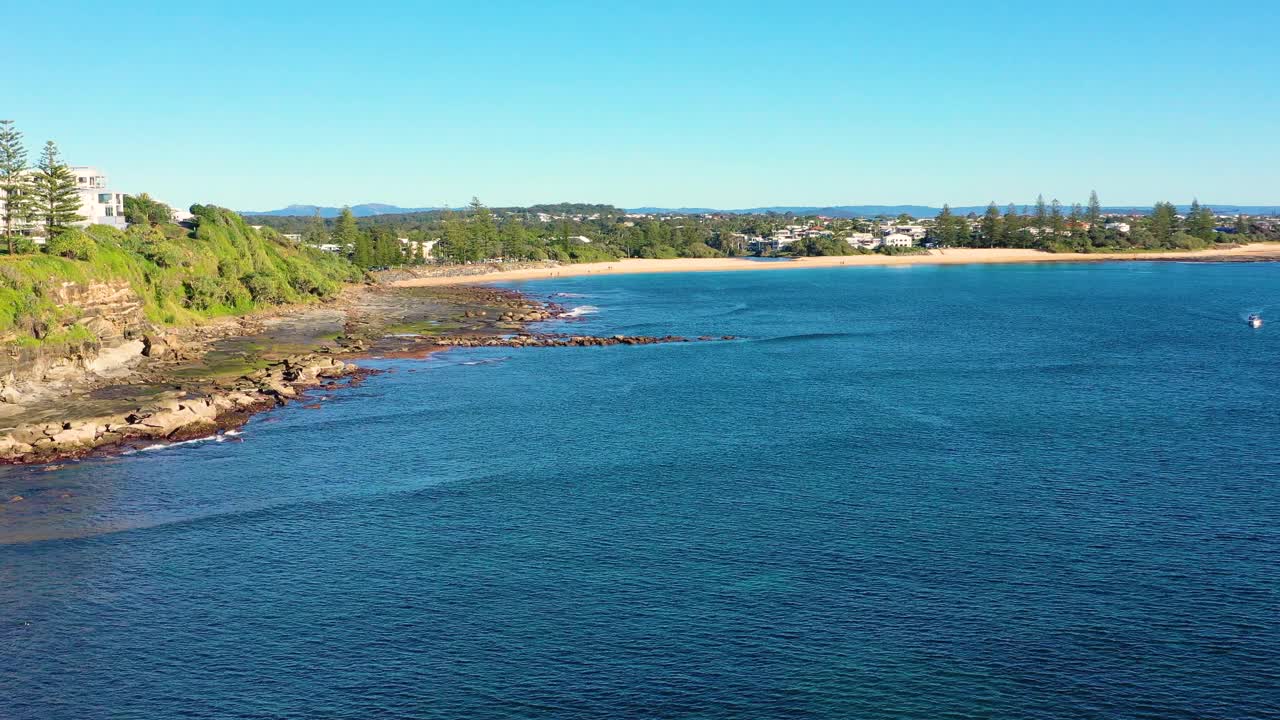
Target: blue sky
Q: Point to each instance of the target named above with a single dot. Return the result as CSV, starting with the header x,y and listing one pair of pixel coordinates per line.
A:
x,y
258,105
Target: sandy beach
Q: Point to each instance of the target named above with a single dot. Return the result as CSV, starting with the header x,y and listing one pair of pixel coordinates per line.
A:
x,y
955,256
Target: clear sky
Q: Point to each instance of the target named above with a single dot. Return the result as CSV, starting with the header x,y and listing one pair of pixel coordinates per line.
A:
x,y
256,105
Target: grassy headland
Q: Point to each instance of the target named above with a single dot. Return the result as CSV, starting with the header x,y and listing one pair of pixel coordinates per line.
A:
x,y
180,275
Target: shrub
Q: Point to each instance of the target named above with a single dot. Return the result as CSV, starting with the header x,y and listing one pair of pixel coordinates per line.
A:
x,y
1183,241
264,288
701,250
163,253
203,293
73,244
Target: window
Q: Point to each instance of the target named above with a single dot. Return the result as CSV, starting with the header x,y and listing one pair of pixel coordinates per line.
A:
x,y
111,212
104,197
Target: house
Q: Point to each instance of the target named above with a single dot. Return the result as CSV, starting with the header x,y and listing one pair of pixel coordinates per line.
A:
x,y
898,240
1120,227
915,232
582,239
423,248
867,241
293,237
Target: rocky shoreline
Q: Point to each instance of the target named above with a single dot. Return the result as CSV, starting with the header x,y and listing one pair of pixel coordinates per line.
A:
x,y
183,416
187,384
557,340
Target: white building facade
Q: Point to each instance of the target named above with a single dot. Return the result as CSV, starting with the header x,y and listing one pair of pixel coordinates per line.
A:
x,y
98,203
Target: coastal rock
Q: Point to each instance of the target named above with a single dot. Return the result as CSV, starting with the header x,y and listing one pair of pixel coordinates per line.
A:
x,y
76,436
12,448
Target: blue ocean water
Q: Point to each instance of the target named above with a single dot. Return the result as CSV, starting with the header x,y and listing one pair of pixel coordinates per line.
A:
x,y
951,492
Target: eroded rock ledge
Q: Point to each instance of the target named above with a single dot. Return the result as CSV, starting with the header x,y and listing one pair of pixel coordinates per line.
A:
x,y
177,416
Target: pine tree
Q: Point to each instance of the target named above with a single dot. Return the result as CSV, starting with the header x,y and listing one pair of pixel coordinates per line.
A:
x,y
385,247
1012,224
1094,215
57,202
484,233
315,233
1055,217
15,183
1076,224
1041,217
1242,225
991,225
362,250
1200,221
1097,229
1164,222
942,225
514,239
347,235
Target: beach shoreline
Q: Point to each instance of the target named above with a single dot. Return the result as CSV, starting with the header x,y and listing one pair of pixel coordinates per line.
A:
x,y
955,256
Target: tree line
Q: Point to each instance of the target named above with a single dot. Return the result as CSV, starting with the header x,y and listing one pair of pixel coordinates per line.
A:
x,y
1049,226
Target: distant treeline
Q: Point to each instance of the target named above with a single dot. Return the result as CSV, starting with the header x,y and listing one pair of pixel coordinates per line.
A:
x,y
580,233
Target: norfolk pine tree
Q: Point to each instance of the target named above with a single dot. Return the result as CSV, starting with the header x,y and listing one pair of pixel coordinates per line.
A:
x,y
315,233
56,201
346,234
15,184
991,225
1200,221
1041,218
1097,231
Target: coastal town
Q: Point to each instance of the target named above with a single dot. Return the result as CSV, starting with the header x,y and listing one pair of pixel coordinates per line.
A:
x,y
49,206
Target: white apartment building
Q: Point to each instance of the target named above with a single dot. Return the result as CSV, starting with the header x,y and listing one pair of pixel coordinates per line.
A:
x,y
99,205
898,240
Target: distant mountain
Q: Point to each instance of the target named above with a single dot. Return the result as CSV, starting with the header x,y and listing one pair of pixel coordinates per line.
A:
x,y
839,211
364,210
925,211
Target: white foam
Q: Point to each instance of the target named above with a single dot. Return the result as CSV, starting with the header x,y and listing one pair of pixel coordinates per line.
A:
x,y
220,437
582,310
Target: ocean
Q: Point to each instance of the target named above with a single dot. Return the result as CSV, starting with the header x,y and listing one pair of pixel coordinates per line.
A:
x,y
1020,491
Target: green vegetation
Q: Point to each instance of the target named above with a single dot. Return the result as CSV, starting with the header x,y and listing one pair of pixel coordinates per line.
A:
x,y
143,209
15,186
221,267
56,202
1088,229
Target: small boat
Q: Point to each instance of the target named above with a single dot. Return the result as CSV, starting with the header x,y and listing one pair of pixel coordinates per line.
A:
x,y
1255,321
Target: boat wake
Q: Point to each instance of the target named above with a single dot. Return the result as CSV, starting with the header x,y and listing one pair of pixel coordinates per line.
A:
x,y
485,361
806,336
